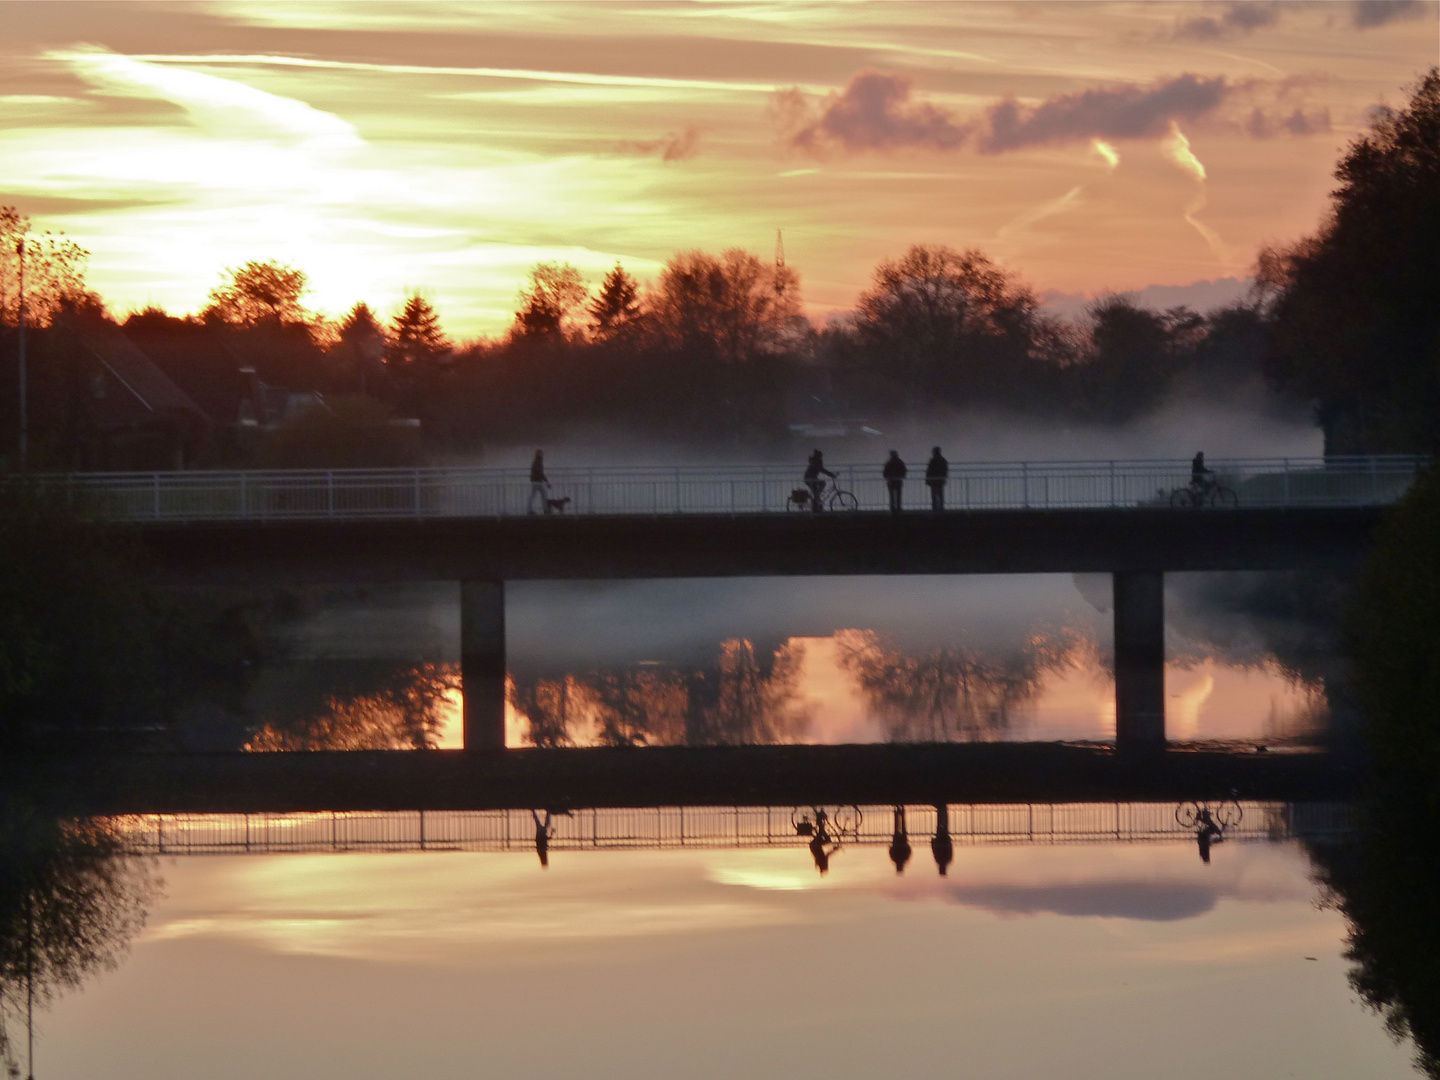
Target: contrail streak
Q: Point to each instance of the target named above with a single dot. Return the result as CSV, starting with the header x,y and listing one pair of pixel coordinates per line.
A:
x,y
1177,149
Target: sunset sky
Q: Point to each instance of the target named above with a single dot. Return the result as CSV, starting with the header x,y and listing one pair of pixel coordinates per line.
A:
x,y
385,147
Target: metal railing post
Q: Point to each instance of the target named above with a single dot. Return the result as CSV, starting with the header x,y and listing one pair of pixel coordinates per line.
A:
x,y
1285,485
155,488
330,492
1112,483
416,492
1025,485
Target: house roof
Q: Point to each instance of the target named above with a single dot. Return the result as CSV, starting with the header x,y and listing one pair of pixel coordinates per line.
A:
x,y
131,368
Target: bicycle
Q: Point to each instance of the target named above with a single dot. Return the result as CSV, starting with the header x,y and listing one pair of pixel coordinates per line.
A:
x,y
1224,815
831,498
1197,494
830,826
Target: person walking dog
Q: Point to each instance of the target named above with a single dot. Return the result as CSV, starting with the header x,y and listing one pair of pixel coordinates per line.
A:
x,y
539,485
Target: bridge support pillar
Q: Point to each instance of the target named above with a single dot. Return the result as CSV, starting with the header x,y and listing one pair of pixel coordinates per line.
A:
x,y
1139,660
482,663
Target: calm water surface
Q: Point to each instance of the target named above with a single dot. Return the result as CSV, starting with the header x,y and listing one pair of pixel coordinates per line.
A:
x,y
1085,960
1071,957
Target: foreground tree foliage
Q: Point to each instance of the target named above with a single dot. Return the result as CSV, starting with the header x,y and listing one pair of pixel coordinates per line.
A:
x,y
54,272
1396,643
1386,882
71,900
80,658
1356,325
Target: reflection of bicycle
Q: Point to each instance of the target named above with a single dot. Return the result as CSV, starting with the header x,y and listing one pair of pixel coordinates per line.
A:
x,y
829,826
831,498
1221,815
1198,494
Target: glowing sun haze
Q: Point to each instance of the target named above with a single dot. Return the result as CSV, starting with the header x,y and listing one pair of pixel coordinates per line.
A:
x,y
385,147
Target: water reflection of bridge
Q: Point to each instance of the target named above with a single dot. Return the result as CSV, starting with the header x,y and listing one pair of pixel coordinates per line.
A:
x,y
703,827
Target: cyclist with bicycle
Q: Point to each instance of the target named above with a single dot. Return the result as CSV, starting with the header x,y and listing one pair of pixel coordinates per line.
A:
x,y
813,470
1201,478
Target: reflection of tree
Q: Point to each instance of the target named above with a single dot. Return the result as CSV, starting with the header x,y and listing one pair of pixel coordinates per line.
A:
x,y
954,694
70,901
1386,882
736,699
403,710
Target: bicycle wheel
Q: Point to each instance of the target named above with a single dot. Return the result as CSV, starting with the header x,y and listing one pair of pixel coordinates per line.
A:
x,y
1229,813
1224,498
845,820
844,500
1186,814
1182,499
799,499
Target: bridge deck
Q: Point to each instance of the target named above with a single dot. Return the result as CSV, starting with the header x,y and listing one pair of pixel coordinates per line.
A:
x,y
670,776
697,545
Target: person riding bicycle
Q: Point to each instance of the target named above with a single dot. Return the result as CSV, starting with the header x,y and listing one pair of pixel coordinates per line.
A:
x,y
1201,478
813,468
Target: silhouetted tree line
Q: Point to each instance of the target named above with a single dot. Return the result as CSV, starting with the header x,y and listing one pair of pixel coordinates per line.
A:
x,y
716,349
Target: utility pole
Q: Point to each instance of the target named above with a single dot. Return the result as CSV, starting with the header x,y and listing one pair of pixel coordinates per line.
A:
x,y
24,389
779,263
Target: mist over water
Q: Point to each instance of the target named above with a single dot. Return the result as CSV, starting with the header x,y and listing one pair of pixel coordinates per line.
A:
x,y
1248,423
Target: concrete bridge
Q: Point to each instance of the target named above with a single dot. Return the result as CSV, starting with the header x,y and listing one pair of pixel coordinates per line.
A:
x,y
474,527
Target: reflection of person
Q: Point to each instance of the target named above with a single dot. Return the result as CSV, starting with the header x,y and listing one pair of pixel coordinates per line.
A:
x,y
822,844
539,485
1199,474
820,853
894,474
937,470
1209,833
940,845
813,468
900,842
542,837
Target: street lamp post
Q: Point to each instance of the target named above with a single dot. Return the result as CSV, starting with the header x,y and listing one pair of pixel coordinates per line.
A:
x,y
24,389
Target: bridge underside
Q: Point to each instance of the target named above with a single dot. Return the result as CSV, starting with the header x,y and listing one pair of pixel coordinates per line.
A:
x,y
672,776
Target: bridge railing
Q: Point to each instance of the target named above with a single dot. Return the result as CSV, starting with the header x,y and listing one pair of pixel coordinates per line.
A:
x,y
705,827
741,489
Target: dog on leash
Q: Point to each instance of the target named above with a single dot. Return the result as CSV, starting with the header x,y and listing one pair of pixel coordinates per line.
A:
x,y
557,505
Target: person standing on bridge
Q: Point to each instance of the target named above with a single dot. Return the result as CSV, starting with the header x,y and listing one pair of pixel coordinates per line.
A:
x,y
937,471
894,474
813,468
539,485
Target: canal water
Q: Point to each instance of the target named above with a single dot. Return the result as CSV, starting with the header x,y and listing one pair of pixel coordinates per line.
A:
x,y
1056,956
1102,941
